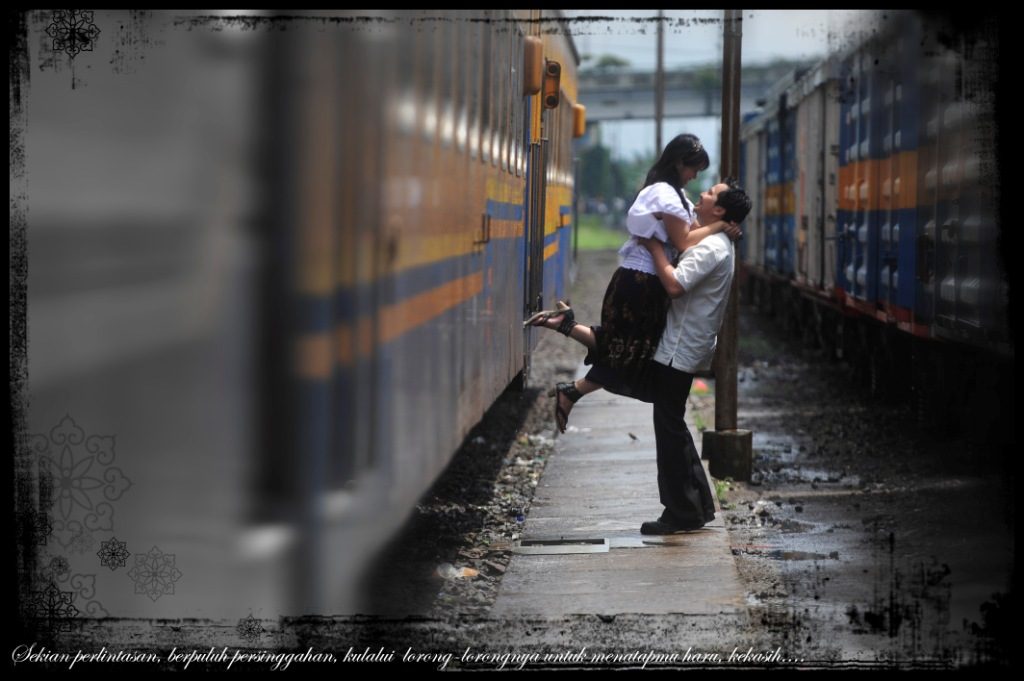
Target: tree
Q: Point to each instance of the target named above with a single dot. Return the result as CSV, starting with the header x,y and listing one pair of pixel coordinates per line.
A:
x,y
607,62
596,178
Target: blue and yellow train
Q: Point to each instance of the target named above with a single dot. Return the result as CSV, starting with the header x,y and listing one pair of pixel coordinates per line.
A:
x,y
427,207
875,228
294,254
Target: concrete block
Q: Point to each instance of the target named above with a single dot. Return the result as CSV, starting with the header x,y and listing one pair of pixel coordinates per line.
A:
x,y
730,453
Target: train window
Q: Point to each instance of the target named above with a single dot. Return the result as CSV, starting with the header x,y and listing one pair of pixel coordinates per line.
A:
x,y
564,135
496,88
433,99
447,68
425,77
568,117
517,100
403,104
462,124
475,75
556,141
552,134
458,98
516,79
510,96
514,68
489,91
418,87
492,121
503,95
486,98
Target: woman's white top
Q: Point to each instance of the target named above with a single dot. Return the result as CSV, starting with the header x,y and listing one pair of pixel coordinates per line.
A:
x,y
656,198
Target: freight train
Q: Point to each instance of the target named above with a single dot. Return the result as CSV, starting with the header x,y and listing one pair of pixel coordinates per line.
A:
x,y
876,230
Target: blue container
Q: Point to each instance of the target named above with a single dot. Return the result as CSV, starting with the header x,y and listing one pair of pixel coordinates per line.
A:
x,y
848,154
787,223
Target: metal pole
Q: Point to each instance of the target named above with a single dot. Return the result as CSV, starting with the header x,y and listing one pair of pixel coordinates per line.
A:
x,y
725,369
729,450
659,85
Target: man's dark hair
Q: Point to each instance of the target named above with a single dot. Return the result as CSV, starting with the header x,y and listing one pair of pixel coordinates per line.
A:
x,y
735,201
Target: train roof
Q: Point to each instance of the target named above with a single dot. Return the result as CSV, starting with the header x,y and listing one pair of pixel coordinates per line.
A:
x,y
799,84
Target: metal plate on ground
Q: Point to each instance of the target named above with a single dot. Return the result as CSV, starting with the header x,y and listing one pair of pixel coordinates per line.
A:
x,y
550,547
627,543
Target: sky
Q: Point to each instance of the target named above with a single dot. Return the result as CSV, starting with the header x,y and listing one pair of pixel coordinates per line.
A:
x,y
695,37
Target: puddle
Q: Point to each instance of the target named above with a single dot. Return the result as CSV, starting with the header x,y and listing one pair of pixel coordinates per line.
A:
x,y
549,547
791,555
803,474
789,525
776,458
774,448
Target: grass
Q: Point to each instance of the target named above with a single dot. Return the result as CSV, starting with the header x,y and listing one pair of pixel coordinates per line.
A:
x,y
756,346
721,487
595,236
699,422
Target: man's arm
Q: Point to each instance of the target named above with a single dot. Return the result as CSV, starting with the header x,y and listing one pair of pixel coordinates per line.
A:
x,y
664,269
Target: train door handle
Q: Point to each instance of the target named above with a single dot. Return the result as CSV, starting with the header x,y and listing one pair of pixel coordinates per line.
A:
x,y
485,230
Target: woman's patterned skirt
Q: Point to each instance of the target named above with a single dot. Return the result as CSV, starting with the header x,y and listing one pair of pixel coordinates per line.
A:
x,y
632,321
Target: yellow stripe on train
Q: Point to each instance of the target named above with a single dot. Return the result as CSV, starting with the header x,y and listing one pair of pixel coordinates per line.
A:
x,y
400,317
550,250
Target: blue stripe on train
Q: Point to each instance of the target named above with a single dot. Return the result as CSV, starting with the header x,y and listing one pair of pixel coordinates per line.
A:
x,y
316,314
500,210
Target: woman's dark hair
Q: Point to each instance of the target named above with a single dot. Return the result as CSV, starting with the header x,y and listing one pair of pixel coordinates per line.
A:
x,y
685,149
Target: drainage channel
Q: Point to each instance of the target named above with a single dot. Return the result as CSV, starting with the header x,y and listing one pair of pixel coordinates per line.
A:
x,y
550,547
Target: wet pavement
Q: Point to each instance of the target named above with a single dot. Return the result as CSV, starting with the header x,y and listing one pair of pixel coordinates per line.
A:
x,y
601,485
884,542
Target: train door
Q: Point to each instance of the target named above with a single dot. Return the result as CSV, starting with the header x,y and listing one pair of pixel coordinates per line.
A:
x,y
534,261
536,175
535,226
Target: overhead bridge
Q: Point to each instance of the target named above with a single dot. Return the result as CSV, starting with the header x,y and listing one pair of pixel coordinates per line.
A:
x,y
614,95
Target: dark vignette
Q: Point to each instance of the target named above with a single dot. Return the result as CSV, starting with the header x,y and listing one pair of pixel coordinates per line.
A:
x,y
21,525
295,634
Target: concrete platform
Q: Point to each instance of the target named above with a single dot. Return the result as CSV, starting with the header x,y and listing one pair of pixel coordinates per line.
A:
x,y
602,483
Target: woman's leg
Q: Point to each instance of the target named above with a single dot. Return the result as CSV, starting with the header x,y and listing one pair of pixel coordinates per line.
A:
x,y
566,403
583,335
580,333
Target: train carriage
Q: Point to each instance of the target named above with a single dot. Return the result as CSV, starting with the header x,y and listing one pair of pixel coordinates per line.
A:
x,y
454,158
410,203
815,101
876,207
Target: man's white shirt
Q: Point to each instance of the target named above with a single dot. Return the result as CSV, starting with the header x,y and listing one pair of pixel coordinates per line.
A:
x,y
691,331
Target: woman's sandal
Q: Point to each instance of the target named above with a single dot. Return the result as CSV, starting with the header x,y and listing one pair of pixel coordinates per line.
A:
x,y
570,391
561,310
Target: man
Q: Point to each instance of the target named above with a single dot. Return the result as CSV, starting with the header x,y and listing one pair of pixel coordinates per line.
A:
x,y
699,287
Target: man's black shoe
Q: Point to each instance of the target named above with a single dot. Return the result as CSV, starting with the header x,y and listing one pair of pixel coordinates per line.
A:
x,y
662,527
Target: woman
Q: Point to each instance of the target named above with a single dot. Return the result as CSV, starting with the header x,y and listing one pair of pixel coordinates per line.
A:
x,y
635,303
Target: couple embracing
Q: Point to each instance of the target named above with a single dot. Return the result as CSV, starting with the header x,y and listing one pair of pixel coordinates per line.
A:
x,y
660,319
